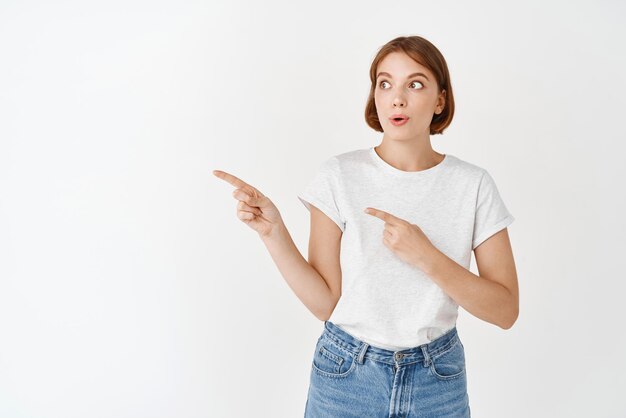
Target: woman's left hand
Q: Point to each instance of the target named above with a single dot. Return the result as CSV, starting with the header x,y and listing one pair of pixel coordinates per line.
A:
x,y
405,239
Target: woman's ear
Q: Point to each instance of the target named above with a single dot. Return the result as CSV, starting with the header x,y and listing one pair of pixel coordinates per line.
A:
x,y
442,101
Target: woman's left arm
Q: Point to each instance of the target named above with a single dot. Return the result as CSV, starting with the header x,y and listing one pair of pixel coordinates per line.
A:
x,y
492,296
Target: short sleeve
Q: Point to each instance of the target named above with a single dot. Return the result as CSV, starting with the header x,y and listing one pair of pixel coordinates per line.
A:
x,y
491,213
323,191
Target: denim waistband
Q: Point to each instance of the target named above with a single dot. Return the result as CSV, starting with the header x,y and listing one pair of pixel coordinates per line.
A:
x,y
362,350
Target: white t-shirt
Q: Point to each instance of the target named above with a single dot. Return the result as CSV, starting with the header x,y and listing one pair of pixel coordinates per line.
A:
x,y
385,301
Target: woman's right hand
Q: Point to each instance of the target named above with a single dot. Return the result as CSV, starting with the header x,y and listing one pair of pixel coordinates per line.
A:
x,y
254,208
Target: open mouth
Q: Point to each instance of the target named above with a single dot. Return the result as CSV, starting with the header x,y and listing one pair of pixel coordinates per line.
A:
x,y
398,120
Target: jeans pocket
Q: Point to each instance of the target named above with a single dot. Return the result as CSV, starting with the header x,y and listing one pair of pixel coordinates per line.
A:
x,y
450,364
330,360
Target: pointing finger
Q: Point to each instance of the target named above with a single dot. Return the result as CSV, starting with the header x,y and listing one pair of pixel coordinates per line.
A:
x,y
235,181
381,214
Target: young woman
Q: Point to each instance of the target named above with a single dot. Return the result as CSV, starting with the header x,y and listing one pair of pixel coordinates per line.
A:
x,y
392,231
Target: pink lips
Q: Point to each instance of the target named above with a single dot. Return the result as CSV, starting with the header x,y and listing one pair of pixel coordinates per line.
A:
x,y
398,122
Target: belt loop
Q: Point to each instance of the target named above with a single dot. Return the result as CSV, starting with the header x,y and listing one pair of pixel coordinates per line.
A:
x,y
426,355
362,352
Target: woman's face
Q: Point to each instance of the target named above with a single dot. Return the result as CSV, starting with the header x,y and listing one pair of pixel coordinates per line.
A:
x,y
400,91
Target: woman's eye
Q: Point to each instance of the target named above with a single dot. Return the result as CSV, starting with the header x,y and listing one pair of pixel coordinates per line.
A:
x,y
412,82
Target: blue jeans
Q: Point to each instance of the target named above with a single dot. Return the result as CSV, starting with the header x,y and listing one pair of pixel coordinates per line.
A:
x,y
350,378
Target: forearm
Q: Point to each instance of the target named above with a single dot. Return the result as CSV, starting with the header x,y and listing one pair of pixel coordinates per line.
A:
x,y
308,285
483,298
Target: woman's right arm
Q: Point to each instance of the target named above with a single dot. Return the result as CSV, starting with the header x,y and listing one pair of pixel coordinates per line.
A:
x,y
305,281
256,210
315,282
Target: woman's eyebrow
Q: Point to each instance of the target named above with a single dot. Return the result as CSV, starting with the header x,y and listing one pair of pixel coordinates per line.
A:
x,y
409,76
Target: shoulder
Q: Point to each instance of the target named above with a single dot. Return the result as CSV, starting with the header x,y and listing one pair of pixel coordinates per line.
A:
x,y
462,169
346,161
457,167
480,178
465,166
352,156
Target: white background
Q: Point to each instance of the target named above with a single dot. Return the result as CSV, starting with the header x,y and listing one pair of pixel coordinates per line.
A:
x,y
129,287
